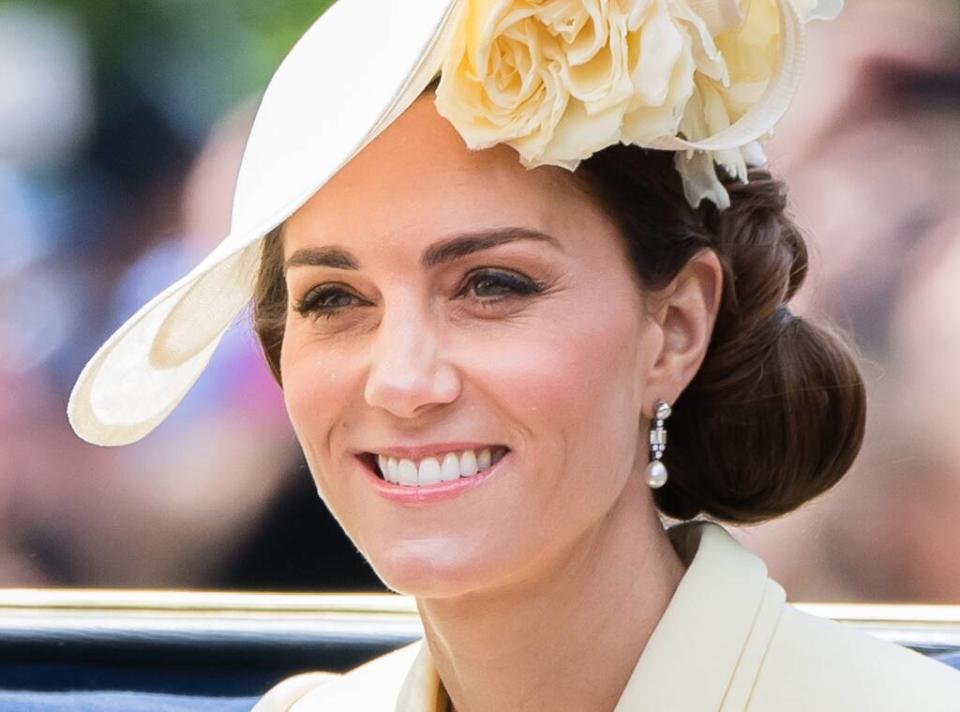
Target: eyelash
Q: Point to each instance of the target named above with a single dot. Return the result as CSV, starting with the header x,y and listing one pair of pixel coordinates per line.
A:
x,y
517,284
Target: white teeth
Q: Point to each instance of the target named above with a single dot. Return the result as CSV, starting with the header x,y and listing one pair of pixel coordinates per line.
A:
x,y
450,469
468,463
406,472
432,470
483,459
429,471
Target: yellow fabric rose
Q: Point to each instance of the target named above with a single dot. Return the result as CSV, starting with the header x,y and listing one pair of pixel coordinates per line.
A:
x,y
561,79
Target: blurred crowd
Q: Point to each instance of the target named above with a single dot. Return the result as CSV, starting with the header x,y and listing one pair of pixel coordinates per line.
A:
x,y
121,130
120,139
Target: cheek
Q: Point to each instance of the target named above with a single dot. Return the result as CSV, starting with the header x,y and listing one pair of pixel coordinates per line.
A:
x,y
570,381
321,387
317,390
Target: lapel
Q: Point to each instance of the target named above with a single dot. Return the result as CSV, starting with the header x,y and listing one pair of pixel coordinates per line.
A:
x,y
395,681
706,650
421,690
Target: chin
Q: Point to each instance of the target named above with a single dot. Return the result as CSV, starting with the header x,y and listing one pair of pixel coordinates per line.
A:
x,y
424,572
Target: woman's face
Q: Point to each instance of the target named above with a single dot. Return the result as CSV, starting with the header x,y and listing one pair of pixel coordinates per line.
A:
x,y
445,302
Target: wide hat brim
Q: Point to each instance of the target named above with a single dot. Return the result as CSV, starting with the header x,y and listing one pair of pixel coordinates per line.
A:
x,y
350,76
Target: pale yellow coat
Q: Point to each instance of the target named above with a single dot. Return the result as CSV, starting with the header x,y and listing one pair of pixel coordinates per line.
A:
x,y
728,642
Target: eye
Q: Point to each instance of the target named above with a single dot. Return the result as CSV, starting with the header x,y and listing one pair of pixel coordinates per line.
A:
x,y
327,300
494,285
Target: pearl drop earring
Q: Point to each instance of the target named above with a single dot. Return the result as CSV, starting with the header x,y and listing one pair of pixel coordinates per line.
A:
x,y
656,470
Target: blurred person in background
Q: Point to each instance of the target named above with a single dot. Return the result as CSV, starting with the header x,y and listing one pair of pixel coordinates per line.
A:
x,y
874,166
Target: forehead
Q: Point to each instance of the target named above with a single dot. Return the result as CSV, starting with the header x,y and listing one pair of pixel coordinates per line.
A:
x,y
418,178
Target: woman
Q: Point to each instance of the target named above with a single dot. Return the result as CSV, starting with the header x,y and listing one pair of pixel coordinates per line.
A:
x,y
481,356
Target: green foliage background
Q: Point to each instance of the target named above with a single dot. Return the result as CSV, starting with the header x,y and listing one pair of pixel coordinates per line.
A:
x,y
195,57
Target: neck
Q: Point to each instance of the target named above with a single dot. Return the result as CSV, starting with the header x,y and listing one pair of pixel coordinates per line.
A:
x,y
568,637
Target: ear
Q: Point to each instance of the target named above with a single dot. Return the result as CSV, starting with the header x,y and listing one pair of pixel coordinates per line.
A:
x,y
685,312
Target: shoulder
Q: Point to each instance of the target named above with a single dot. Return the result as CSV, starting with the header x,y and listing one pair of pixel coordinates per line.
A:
x,y
373,686
816,663
285,693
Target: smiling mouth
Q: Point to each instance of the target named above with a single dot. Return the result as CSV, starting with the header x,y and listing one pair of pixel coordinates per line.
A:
x,y
445,467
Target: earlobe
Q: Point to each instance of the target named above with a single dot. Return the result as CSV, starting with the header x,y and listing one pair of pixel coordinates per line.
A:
x,y
686,312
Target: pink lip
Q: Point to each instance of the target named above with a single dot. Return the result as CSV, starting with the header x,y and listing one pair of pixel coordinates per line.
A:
x,y
407,495
419,452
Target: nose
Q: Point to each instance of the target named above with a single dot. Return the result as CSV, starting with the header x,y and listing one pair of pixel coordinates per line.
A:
x,y
408,373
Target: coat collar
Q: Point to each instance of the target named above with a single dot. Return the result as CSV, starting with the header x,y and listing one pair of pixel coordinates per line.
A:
x,y
706,650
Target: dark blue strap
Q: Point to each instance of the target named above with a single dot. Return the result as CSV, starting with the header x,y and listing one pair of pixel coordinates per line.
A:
x,y
119,702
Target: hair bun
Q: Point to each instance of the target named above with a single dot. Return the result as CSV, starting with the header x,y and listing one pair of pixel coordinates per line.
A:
x,y
776,414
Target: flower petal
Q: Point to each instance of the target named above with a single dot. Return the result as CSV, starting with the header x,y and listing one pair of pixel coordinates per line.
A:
x,y
700,180
643,124
579,135
661,44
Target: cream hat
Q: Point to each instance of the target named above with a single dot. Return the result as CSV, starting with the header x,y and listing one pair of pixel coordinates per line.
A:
x,y
365,61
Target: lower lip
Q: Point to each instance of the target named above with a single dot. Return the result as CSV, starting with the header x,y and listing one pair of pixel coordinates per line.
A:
x,y
428,494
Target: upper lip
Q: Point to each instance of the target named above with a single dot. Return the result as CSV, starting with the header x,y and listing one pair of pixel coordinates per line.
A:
x,y
418,452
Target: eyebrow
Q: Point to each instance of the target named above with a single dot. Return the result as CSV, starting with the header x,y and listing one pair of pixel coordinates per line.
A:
x,y
441,252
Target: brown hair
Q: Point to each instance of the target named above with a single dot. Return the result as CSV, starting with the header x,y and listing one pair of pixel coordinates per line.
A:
x,y
775,415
